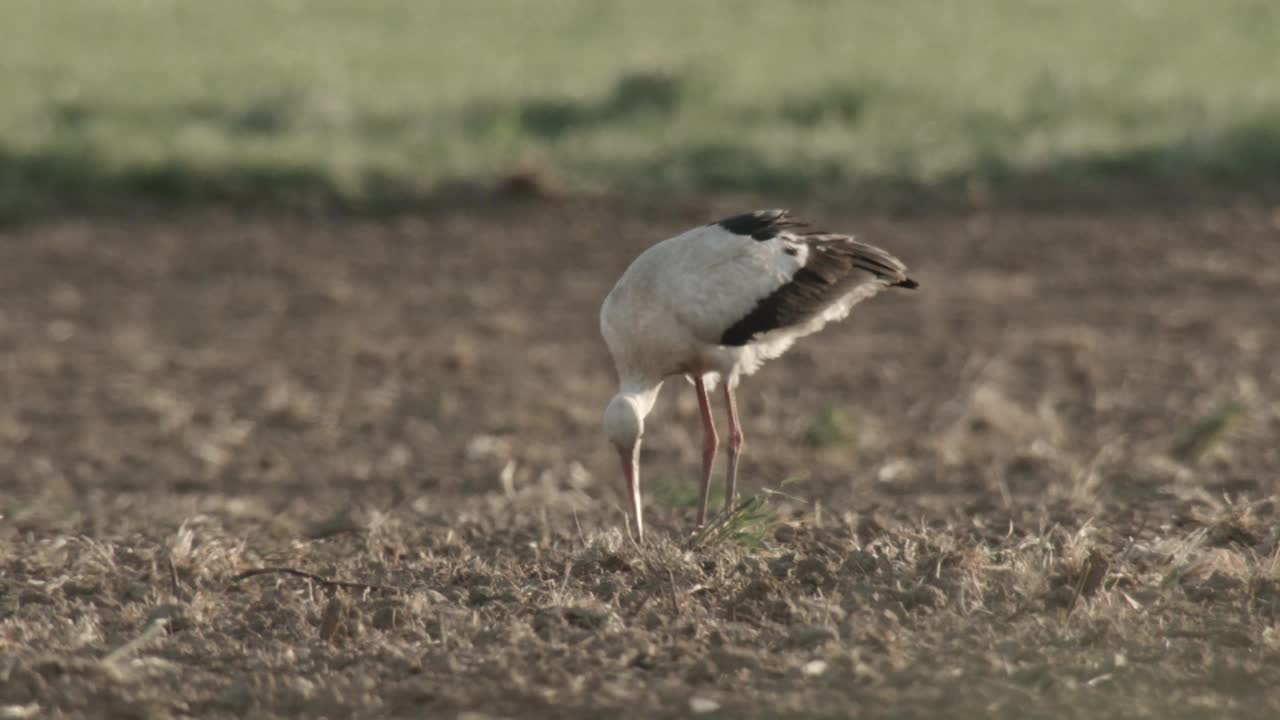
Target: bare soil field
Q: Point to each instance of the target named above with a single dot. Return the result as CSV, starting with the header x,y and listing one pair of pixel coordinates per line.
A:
x,y
254,466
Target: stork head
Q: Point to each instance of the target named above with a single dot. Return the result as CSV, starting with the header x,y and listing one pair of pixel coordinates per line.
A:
x,y
624,424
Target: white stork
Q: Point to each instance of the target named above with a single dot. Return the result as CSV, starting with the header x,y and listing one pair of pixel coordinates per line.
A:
x,y
713,304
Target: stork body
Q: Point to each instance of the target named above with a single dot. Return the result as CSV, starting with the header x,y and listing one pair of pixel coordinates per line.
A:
x,y
713,304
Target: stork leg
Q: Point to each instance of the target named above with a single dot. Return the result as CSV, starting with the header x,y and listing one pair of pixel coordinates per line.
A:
x,y
710,443
735,448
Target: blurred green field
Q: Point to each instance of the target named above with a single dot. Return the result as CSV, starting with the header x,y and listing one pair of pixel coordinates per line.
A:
x,y
284,100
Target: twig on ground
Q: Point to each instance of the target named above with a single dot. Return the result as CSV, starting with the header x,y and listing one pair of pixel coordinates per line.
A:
x,y
1092,574
173,578
326,582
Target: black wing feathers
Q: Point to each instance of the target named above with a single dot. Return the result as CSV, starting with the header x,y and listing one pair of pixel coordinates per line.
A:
x,y
828,274
761,224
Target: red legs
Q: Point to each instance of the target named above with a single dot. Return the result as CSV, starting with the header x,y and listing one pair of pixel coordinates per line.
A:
x,y
735,449
710,442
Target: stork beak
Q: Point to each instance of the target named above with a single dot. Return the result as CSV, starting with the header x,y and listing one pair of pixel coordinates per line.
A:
x,y
631,469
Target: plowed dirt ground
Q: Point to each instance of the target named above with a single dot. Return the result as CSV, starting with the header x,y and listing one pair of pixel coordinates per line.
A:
x,y
1042,485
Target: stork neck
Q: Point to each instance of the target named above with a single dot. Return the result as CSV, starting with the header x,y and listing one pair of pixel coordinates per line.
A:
x,y
642,393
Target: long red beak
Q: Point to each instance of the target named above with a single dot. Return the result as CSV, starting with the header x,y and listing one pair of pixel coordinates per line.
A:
x,y
631,469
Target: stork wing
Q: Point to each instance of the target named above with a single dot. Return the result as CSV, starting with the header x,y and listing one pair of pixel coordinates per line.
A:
x,y
835,267
749,274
